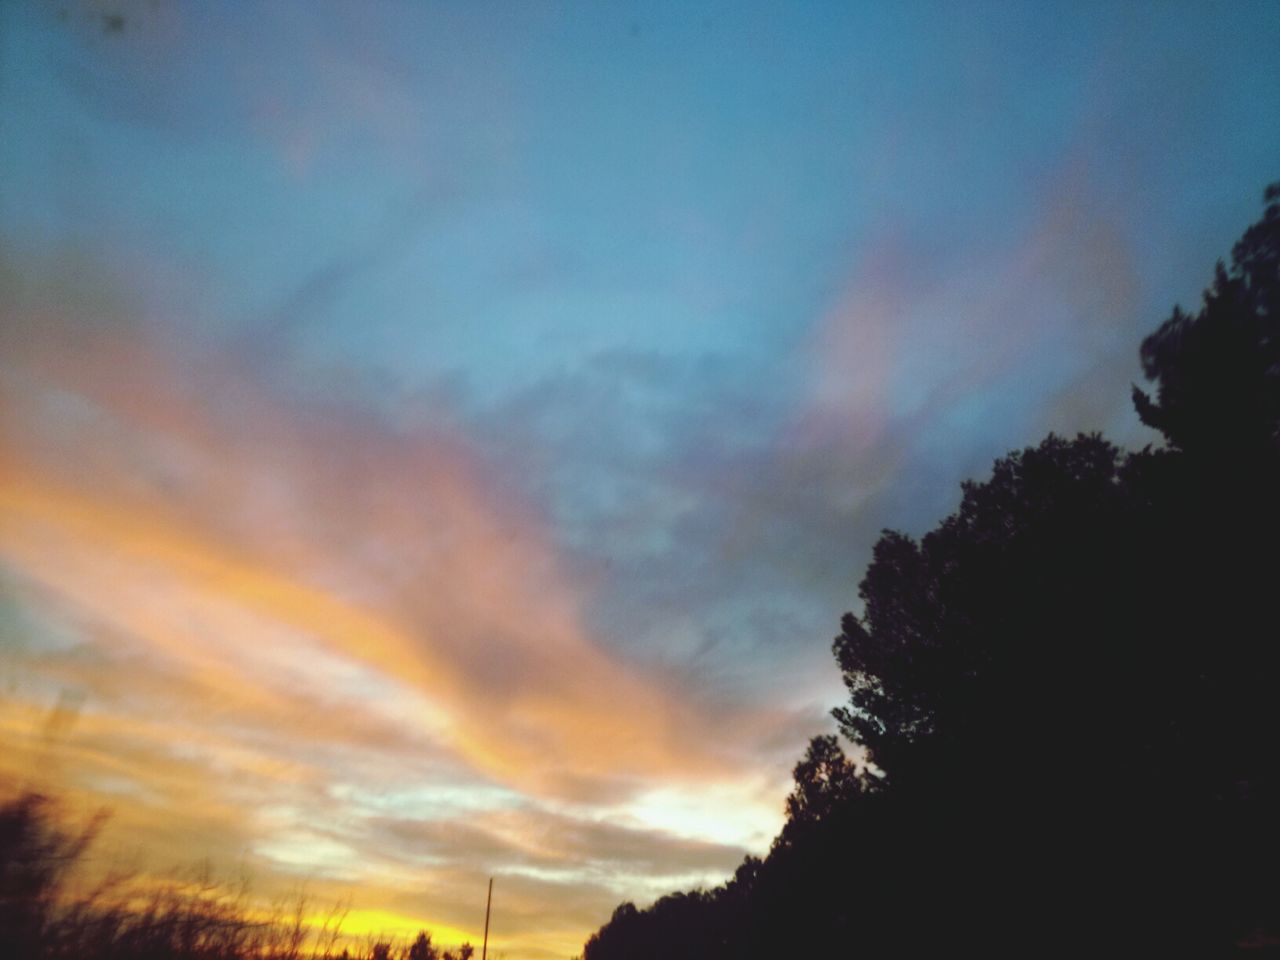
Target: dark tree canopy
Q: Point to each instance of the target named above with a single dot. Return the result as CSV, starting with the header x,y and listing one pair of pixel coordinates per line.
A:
x,y
826,781
1034,621
1066,695
1217,372
422,948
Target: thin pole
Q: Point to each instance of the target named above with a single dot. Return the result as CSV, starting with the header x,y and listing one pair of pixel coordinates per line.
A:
x,y
484,951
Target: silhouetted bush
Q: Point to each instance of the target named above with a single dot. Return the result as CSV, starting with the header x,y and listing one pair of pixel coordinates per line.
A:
x,y
46,915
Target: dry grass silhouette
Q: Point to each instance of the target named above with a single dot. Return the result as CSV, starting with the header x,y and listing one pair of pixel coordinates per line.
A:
x,y
49,910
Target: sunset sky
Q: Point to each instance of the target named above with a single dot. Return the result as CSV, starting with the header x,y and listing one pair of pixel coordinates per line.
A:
x,y
438,440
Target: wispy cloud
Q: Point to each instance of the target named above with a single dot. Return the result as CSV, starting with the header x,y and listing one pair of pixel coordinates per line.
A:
x,y
269,600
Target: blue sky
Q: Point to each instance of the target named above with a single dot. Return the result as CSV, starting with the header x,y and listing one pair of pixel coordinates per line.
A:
x,y
569,358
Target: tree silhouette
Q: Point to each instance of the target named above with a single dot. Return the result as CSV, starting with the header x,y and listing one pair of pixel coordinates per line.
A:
x,y
422,948
825,782
1084,654
976,643
1065,693
1218,371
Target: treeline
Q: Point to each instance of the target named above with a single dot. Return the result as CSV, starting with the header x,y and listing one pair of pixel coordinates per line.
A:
x,y
1065,694
49,912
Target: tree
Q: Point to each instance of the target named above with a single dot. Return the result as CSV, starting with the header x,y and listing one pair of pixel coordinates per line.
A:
x,y
1065,693
1217,372
971,651
422,948
825,780
1082,659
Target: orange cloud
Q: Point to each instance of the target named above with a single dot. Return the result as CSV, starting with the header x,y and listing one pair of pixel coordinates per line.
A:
x,y
284,612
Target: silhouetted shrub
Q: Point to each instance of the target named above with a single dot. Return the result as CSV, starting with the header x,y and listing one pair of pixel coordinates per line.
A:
x,y
45,915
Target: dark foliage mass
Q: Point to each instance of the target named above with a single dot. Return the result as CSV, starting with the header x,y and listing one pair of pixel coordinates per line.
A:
x,y
1065,695
1216,370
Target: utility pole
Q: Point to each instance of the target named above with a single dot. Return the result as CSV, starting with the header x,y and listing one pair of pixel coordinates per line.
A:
x,y
484,950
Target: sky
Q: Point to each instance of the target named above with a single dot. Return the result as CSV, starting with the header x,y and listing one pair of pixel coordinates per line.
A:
x,y
438,440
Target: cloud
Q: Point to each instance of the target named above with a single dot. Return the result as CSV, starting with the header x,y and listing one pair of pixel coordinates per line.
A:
x,y
385,550
267,601
728,526
533,838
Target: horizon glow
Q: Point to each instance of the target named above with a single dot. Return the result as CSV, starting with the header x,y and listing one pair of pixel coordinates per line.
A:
x,y
440,440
